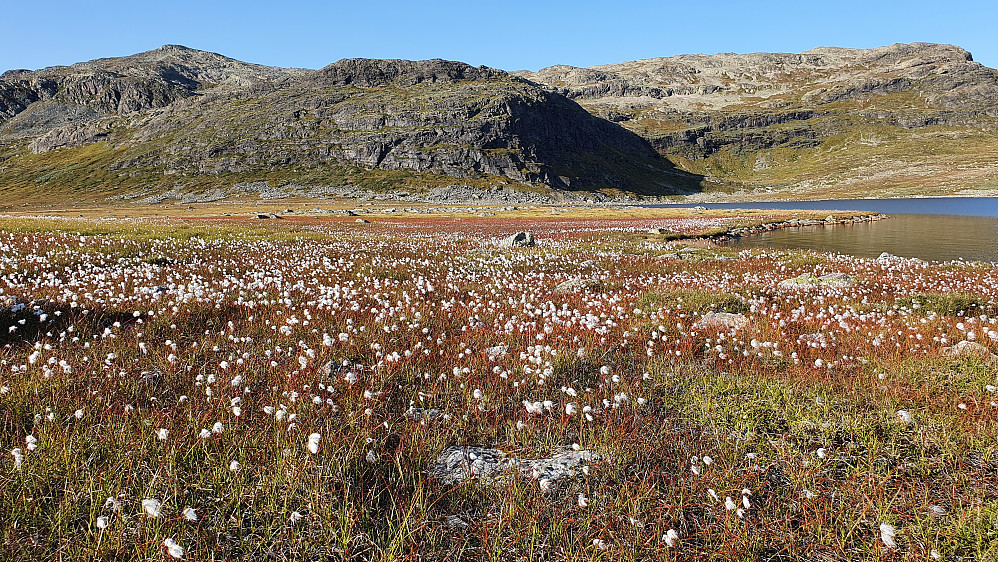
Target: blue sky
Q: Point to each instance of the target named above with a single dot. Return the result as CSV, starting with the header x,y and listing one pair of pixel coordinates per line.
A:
x,y
510,35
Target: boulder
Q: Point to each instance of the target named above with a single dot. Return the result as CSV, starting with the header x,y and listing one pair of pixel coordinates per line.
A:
x,y
519,240
723,320
457,464
577,285
969,349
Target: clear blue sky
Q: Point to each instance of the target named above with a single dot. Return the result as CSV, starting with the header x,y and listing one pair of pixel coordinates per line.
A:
x,y
510,35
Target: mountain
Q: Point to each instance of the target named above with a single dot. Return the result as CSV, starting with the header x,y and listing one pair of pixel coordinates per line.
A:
x,y
181,120
918,119
899,120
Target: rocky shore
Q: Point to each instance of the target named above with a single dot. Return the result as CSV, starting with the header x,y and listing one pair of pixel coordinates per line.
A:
x,y
795,223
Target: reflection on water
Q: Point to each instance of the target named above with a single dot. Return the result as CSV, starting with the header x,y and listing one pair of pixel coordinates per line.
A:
x,y
936,228
929,237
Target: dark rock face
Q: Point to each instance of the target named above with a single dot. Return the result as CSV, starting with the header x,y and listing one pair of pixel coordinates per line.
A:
x,y
203,114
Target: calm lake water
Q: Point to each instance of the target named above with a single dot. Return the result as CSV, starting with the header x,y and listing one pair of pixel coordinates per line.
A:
x,y
944,228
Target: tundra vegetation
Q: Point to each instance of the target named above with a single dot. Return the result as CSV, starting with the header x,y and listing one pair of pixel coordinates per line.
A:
x,y
215,390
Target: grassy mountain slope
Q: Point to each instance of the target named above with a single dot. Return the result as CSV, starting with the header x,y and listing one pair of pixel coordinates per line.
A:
x,y
897,120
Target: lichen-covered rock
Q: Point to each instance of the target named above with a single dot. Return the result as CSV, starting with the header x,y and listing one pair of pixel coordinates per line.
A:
x,y
969,349
577,285
457,464
723,320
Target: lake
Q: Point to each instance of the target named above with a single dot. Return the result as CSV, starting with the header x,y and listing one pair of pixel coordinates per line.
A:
x,y
942,229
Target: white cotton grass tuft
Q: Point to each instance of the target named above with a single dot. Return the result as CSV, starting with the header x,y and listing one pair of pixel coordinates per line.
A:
x,y
313,443
905,416
234,466
729,504
18,457
103,522
152,507
162,434
583,500
887,534
31,442
671,537
173,549
295,517
189,514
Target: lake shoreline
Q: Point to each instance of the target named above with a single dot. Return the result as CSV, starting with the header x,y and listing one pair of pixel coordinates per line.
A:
x,y
741,232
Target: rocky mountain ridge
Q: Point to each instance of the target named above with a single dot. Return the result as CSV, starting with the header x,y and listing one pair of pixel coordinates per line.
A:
x,y
770,119
176,115
899,120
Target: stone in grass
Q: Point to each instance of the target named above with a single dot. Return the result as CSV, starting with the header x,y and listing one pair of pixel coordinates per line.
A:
x,y
345,370
969,349
497,351
11,302
723,320
457,464
577,285
519,240
420,414
808,280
